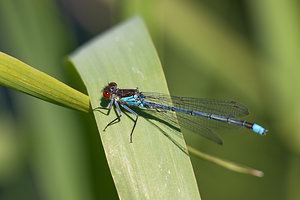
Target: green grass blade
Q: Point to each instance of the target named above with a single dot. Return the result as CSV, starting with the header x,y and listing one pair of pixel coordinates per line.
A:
x,y
156,165
20,76
226,164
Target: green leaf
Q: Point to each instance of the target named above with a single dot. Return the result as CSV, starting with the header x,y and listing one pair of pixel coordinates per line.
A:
x,y
22,77
156,165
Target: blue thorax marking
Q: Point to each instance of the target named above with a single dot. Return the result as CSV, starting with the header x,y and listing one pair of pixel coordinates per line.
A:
x,y
136,100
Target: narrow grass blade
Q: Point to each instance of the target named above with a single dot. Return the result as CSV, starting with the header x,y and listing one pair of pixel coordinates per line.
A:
x,y
156,165
22,77
227,164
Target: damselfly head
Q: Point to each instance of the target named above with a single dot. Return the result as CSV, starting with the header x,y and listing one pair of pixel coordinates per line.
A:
x,y
108,90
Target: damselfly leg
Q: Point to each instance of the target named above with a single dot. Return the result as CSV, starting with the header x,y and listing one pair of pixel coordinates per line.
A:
x,y
115,101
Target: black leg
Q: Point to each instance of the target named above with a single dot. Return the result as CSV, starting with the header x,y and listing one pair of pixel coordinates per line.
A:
x,y
136,115
109,107
117,118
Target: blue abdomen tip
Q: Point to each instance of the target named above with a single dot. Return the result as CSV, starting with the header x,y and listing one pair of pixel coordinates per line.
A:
x,y
258,129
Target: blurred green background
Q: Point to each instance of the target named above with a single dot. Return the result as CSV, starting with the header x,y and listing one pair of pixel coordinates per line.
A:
x,y
242,50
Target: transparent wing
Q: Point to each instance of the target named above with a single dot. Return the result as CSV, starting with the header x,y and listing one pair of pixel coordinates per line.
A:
x,y
198,125
224,108
190,124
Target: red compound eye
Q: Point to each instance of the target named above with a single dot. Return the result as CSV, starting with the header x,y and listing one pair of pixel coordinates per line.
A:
x,y
106,94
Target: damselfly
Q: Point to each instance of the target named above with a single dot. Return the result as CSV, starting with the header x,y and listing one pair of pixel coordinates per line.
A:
x,y
195,114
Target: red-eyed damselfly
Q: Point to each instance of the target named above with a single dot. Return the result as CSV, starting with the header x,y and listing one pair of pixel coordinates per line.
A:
x,y
195,114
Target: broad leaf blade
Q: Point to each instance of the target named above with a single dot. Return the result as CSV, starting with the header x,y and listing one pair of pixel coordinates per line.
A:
x,y
155,165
